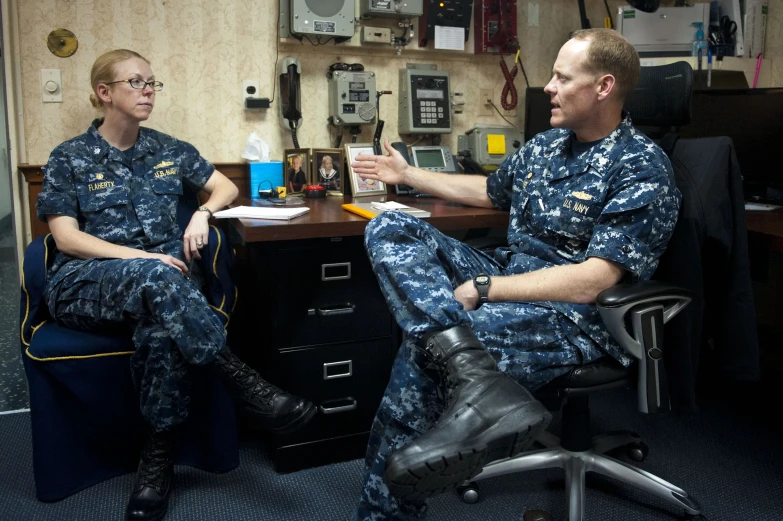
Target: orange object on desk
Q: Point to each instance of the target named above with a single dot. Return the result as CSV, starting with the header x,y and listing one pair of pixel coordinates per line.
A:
x,y
359,211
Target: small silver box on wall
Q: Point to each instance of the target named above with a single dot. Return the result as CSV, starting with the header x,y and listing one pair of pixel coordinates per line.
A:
x,y
391,8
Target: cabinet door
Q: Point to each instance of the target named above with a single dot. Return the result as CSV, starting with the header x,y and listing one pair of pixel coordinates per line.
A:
x,y
328,293
345,381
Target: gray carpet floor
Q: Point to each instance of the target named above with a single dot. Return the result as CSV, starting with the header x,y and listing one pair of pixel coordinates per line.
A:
x,y
13,386
729,457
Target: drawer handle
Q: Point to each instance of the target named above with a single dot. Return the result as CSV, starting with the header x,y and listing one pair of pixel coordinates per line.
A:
x,y
340,408
344,309
337,271
347,364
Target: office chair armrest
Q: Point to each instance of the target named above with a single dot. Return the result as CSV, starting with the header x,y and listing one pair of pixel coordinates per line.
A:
x,y
635,314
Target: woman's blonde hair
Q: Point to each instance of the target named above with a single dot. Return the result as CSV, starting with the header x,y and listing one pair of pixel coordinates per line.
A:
x,y
103,70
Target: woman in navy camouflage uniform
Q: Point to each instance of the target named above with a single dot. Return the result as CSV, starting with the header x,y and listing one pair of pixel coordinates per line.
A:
x,y
110,197
590,202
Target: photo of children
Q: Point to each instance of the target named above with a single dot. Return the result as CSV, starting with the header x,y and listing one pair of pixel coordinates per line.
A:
x,y
297,163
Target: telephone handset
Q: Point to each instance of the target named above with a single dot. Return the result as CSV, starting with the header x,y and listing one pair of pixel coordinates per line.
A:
x,y
433,158
291,97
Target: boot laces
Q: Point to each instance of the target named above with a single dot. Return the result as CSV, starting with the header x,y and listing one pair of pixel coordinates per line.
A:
x,y
155,464
250,379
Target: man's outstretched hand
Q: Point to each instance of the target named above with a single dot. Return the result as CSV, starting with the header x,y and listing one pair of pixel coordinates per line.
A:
x,y
391,169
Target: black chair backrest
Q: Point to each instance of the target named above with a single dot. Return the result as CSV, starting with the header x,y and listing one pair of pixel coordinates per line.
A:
x,y
662,98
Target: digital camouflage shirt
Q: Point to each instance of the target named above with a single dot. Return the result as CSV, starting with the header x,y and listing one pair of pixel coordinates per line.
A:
x,y
126,203
616,201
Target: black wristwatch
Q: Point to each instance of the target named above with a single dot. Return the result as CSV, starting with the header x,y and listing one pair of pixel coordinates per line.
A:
x,y
482,282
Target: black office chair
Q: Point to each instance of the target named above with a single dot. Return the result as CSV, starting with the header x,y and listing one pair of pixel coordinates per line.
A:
x,y
634,314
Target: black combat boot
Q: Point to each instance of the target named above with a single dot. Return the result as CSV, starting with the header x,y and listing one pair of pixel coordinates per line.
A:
x,y
488,416
149,500
264,405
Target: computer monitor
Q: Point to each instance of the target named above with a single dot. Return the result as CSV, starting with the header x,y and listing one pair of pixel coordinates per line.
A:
x,y
753,119
538,110
750,117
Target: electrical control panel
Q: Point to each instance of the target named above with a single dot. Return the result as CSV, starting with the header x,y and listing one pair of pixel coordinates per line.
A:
x,y
352,98
424,102
391,8
495,27
490,145
444,13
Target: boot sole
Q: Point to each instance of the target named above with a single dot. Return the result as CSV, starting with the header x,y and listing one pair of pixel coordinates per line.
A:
x,y
428,476
298,422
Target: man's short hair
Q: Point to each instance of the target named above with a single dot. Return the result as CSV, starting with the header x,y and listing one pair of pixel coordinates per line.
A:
x,y
610,53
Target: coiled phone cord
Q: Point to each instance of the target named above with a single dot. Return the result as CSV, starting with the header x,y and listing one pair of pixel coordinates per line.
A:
x,y
509,88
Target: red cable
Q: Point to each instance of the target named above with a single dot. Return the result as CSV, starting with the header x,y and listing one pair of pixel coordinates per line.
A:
x,y
509,87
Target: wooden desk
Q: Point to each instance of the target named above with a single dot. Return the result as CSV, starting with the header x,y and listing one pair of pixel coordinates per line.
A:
x,y
768,226
327,219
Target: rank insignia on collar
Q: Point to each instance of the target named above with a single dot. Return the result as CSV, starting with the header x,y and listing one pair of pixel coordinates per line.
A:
x,y
583,196
530,175
163,164
98,176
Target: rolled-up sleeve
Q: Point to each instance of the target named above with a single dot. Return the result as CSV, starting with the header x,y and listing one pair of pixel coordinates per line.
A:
x,y
196,170
58,194
500,183
637,221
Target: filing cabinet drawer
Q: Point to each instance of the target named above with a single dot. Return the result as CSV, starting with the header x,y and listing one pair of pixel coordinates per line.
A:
x,y
329,293
345,381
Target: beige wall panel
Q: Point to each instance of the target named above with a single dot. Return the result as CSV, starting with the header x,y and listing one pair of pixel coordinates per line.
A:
x,y
202,50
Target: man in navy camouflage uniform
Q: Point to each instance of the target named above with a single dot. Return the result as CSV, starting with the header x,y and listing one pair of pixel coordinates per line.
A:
x,y
591,202
110,197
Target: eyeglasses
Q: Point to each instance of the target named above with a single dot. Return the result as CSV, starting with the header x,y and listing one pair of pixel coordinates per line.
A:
x,y
138,84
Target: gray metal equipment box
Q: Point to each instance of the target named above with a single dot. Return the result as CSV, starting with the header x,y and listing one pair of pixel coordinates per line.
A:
x,y
352,98
667,31
424,102
391,8
477,142
331,18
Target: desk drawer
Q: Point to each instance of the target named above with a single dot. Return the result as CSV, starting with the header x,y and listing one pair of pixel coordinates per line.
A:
x,y
346,381
329,293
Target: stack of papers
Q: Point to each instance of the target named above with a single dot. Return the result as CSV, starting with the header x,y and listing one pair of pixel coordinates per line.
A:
x,y
257,212
370,210
392,205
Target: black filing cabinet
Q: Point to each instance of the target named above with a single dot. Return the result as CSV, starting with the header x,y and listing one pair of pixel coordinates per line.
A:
x,y
319,327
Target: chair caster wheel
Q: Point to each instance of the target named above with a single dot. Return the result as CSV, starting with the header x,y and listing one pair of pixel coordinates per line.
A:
x,y
468,493
637,451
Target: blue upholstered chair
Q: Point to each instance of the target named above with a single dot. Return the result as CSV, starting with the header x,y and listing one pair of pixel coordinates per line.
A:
x,y
84,408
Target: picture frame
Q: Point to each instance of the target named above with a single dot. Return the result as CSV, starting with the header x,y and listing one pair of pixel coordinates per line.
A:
x,y
361,187
295,182
327,169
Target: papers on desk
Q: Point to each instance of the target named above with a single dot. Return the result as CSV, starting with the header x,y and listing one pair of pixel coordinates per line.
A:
x,y
257,212
370,210
758,207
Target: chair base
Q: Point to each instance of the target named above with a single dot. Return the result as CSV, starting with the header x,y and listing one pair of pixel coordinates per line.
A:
x,y
577,464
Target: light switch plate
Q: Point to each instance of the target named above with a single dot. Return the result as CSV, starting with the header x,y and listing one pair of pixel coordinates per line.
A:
x,y
51,86
532,15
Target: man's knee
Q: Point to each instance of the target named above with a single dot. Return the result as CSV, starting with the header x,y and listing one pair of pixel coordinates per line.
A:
x,y
389,224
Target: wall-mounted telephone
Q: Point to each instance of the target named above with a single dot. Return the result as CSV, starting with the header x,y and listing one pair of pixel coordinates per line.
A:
x,y
290,96
351,97
433,158
424,100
